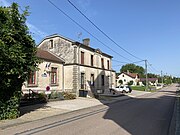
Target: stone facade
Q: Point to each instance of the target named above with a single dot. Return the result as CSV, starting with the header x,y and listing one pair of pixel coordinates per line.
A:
x,y
43,77
85,68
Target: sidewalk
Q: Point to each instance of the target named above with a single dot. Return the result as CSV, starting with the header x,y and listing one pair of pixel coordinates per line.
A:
x,y
40,111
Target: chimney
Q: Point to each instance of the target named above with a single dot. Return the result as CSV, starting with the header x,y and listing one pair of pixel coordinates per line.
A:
x,y
86,41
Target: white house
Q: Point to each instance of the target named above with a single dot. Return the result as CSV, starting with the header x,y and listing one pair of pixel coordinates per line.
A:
x,y
151,81
124,78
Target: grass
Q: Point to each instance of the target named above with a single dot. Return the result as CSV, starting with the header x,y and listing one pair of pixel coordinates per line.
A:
x,y
139,88
142,88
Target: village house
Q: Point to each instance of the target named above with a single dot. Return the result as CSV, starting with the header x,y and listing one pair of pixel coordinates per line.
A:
x,y
151,81
75,67
125,78
50,74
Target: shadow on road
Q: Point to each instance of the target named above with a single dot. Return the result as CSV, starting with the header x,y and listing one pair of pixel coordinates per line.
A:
x,y
150,115
30,108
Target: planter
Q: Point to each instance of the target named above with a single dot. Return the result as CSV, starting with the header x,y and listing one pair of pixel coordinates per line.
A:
x,y
83,93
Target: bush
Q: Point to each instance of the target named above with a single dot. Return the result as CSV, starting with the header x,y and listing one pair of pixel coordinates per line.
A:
x,y
56,95
138,83
42,96
9,109
130,83
68,95
120,81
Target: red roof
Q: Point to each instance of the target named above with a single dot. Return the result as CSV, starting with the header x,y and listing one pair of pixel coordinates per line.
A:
x,y
132,75
42,54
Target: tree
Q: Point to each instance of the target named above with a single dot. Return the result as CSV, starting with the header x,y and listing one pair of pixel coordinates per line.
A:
x,y
120,82
132,68
130,83
17,58
150,75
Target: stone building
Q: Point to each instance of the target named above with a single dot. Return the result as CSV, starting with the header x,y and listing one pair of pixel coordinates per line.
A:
x,y
50,74
84,68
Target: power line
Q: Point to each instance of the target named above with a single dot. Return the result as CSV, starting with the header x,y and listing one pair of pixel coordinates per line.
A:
x,y
119,61
150,65
85,29
117,65
128,62
102,31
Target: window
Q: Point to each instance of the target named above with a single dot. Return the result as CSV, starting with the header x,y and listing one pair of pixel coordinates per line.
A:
x,y
32,78
92,79
51,44
102,80
53,75
102,62
82,81
92,60
82,57
107,64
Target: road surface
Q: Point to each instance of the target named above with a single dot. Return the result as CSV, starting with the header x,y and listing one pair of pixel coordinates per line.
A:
x,y
150,114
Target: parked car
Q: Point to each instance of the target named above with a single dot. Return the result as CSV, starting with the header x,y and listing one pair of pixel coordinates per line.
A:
x,y
122,89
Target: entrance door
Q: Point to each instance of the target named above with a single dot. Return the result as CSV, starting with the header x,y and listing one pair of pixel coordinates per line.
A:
x,y
82,81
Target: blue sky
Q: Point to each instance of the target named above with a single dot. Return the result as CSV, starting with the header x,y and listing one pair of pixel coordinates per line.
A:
x,y
148,29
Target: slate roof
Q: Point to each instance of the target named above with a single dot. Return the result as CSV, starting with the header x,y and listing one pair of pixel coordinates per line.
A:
x,y
46,55
74,42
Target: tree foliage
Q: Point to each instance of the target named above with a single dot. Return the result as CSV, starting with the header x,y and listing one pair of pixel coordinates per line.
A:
x,y
17,56
132,68
151,75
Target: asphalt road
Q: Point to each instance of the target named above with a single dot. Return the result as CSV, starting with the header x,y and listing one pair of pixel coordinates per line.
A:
x,y
146,115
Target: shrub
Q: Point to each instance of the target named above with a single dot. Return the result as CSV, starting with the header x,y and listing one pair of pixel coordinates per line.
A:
x,y
137,83
120,81
68,95
130,83
56,95
42,96
10,109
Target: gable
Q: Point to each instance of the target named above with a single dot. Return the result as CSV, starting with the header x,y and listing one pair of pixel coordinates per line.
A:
x,y
130,75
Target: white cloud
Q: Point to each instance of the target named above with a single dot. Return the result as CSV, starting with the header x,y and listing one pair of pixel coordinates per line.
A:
x,y
4,3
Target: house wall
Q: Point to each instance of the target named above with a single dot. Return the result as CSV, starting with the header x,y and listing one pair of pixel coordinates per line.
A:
x,y
96,69
43,78
97,79
68,78
125,78
73,68
61,47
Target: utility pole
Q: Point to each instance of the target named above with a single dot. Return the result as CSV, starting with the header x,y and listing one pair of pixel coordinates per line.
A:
x,y
161,78
146,75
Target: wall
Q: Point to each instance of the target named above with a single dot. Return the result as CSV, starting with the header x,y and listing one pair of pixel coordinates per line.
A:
x,y
43,78
61,47
125,78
